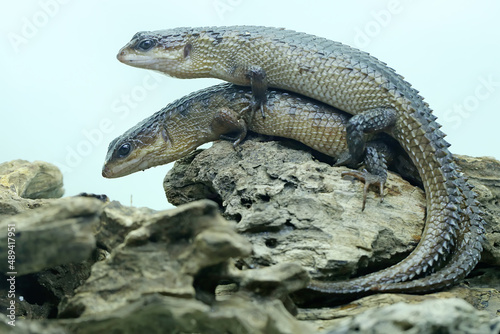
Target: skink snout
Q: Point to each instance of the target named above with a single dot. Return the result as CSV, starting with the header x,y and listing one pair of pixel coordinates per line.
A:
x,y
105,171
121,55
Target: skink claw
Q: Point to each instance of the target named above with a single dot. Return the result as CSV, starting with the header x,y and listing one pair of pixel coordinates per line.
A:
x,y
369,179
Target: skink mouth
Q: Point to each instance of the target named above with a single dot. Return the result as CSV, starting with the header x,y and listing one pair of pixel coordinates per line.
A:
x,y
134,59
106,172
116,171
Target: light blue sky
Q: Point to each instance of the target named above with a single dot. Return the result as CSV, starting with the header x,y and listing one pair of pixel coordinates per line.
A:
x,y
65,96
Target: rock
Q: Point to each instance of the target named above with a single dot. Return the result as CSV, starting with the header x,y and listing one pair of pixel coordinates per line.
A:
x,y
160,273
50,240
431,316
29,327
61,281
11,203
278,280
161,240
32,180
37,295
117,221
164,275
165,314
55,234
293,208
186,270
25,186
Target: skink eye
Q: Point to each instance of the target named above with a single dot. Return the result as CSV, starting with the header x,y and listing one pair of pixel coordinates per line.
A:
x,y
146,45
124,150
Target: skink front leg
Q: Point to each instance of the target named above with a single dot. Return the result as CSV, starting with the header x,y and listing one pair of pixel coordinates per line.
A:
x,y
258,83
228,125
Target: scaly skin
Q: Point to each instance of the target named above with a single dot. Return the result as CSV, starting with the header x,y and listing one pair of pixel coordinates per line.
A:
x,y
219,112
359,84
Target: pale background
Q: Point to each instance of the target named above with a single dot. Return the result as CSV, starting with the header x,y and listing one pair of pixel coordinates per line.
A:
x,y
64,96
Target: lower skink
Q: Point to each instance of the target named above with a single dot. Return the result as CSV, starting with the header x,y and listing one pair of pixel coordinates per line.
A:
x,y
221,112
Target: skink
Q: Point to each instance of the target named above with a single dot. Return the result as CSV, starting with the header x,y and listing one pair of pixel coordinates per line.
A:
x,y
221,112
357,83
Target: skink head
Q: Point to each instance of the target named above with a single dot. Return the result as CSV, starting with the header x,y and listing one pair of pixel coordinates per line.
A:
x,y
178,129
173,52
141,147
160,139
127,155
141,51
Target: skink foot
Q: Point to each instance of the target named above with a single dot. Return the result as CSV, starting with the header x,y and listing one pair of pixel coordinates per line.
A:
x,y
258,83
368,179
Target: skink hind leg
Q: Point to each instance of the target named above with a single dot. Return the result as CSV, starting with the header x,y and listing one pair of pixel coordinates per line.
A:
x,y
375,172
370,121
374,154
